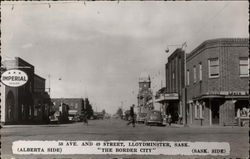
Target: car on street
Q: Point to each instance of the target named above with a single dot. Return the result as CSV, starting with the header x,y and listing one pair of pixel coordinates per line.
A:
x,y
154,117
141,117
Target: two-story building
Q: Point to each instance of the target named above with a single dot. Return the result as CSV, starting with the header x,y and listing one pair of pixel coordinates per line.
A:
x,y
42,101
18,103
171,97
75,105
217,81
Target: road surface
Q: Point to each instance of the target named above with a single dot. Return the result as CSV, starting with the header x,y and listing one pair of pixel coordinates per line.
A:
x,y
116,129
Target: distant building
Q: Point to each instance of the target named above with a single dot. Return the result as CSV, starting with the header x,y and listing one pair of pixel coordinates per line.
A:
x,y
217,81
75,105
144,94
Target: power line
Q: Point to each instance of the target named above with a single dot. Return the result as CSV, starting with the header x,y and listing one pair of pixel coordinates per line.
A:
x,y
213,17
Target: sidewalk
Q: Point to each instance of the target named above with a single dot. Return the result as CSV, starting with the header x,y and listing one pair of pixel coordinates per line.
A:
x,y
198,126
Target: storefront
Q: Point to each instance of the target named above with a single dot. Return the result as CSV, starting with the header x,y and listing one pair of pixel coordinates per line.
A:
x,y
171,106
223,108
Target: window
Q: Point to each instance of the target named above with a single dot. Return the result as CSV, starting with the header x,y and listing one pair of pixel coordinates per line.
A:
x,y
196,111
194,74
188,108
199,110
200,71
244,67
213,65
187,77
180,110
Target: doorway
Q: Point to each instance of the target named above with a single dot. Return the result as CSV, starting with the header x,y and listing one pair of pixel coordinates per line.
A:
x,y
10,102
215,109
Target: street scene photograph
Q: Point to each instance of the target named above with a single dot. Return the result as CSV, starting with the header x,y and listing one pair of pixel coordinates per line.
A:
x,y
124,79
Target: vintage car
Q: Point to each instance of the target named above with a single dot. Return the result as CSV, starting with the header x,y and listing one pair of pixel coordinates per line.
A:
x,y
154,117
141,117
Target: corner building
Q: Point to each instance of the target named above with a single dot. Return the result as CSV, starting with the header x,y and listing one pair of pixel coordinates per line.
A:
x,y
17,102
217,81
29,103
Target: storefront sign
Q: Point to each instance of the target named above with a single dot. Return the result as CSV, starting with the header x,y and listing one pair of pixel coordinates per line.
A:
x,y
230,93
14,78
171,95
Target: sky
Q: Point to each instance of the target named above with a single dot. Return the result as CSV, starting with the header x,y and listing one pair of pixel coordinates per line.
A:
x,y
99,50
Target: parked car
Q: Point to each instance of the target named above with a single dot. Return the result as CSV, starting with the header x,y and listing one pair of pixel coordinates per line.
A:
x,y
97,115
154,117
141,117
55,117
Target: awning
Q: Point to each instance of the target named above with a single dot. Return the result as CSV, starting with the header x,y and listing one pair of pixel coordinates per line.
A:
x,y
167,97
72,112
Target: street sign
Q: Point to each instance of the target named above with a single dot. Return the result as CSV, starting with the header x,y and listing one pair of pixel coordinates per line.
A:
x,y
14,78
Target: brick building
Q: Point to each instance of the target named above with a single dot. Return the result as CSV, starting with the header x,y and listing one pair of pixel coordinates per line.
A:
x,y
42,100
17,103
171,97
75,105
217,81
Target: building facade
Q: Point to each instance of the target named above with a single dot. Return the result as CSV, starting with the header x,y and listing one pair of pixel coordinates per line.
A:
x,y
171,97
144,94
217,81
75,105
17,103
42,102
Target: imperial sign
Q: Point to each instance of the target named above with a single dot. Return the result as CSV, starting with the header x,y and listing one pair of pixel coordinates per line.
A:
x,y
14,78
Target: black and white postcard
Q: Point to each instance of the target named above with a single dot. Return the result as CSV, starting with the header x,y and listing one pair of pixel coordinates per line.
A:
x,y
124,79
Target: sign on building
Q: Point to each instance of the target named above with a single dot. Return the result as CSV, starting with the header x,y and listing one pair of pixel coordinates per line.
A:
x,y
14,78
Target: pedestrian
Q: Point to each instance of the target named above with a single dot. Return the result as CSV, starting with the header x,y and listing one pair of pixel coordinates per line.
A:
x,y
169,119
85,118
132,116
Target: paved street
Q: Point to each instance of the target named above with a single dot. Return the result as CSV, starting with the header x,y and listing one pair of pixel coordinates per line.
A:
x,y
116,129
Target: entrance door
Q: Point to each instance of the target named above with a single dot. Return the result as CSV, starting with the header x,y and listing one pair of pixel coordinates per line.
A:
x,y
10,102
215,106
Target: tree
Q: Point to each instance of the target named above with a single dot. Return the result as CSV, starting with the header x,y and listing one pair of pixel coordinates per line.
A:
x,y
88,108
119,112
103,112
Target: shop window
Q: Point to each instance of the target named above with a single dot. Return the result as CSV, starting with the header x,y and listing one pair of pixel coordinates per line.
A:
x,y
196,111
213,67
35,112
194,74
244,67
199,111
180,110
